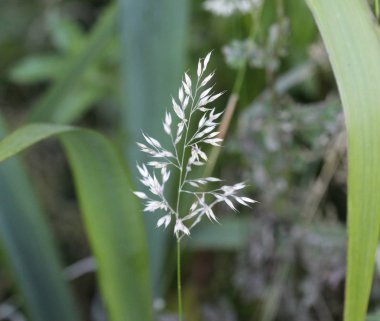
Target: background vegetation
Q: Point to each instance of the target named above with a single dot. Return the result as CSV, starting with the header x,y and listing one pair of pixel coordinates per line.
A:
x,y
111,67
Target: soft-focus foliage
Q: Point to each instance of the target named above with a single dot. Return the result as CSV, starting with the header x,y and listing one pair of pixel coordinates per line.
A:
x,y
113,224
113,67
360,96
229,7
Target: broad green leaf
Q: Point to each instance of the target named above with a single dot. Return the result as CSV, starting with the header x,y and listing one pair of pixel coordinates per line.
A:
x,y
47,108
112,218
153,37
352,41
28,246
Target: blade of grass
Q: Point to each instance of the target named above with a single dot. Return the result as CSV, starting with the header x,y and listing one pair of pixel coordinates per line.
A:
x,y
28,245
47,108
112,218
153,50
352,41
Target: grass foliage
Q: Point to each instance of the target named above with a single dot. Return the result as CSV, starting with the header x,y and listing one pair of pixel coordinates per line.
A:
x,y
285,151
352,40
111,216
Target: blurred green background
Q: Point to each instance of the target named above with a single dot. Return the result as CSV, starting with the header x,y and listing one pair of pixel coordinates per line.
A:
x,y
112,67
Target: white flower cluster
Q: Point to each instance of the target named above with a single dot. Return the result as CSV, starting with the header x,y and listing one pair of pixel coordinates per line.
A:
x,y
228,7
191,105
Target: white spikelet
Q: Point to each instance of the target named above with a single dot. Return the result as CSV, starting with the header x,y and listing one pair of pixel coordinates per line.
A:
x,y
193,104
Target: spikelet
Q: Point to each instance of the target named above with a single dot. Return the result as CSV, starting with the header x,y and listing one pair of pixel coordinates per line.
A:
x,y
193,98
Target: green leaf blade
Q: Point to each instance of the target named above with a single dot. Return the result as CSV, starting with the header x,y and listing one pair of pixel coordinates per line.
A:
x,y
29,249
153,50
113,221
352,41
118,240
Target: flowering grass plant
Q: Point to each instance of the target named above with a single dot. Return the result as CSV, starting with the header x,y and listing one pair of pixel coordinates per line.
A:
x,y
192,105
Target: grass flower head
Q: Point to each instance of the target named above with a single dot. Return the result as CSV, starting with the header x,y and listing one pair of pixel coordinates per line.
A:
x,y
185,153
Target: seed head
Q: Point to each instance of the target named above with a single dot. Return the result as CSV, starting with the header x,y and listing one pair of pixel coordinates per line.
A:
x,y
192,104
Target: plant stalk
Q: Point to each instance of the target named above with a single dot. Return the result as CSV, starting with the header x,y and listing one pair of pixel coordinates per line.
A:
x,y
182,178
179,287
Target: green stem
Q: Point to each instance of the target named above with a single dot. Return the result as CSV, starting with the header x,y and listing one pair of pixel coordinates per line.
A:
x,y
181,169
179,288
240,78
377,9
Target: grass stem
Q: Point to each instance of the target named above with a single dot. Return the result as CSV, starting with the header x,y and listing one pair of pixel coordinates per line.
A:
x,y
179,287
